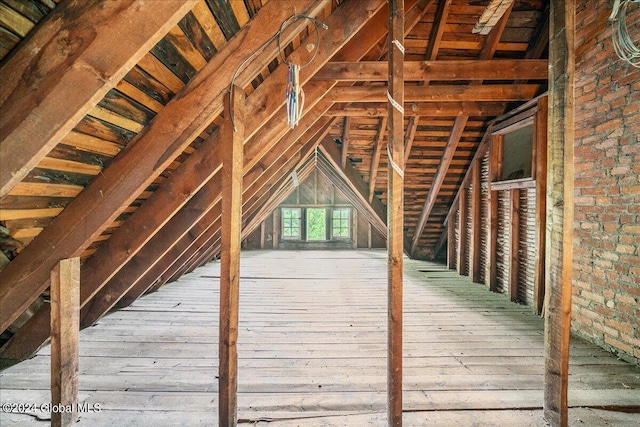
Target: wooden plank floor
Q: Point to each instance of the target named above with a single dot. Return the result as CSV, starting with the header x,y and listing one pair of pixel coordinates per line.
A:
x,y
312,352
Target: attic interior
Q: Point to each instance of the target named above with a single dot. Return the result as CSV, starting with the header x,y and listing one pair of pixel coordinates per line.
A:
x,y
490,146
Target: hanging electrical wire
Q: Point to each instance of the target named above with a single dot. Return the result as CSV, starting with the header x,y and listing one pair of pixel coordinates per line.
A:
x,y
624,46
294,94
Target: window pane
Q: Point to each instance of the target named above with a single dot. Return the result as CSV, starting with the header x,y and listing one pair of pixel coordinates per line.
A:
x,y
340,224
291,223
316,224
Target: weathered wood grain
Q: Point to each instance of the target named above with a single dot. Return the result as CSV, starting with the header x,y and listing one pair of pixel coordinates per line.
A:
x,y
66,63
559,238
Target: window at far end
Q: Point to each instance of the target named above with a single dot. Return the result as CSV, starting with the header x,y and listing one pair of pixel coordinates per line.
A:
x,y
291,223
316,224
517,153
340,223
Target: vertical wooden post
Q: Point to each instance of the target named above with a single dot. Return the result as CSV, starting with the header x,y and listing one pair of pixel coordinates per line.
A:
x,y
395,212
559,239
262,232
476,200
65,325
232,164
462,232
451,244
369,237
276,227
355,228
540,143
495,165
514,241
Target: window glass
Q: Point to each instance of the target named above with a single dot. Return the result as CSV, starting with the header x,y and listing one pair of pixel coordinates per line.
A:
x,y
291,223
316,224
340,223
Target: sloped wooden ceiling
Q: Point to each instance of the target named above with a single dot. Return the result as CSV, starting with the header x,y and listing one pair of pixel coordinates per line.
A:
x,y
110,115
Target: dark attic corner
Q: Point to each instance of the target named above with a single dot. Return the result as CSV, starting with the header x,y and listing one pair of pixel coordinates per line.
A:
x,y
328,212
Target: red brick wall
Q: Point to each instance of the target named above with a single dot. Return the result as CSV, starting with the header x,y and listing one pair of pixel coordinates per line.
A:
x,y
606,293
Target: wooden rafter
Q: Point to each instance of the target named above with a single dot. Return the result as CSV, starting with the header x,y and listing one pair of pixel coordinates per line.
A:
x,y
412,127
345,141
438,179
437,29
375,157
42,77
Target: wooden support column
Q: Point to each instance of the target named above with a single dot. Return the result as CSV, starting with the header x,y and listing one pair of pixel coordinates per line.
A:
x,y
495,161
451,244
232,165
476,200
345,141
540,170
462,232
65,326
514,242
559,238
355,229
395,212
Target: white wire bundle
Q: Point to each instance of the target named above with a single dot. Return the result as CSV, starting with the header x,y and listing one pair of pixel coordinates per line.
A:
x,y
624,46
294,96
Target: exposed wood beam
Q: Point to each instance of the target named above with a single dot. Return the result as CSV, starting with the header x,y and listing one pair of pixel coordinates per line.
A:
x,y
496,92
136,168
514,242
424,109
395,213
47,88
491,42
464,70
462,232
65,312
560,215
476,230
375,157
412,127
232,164
437,29
345,140
495,166
438,179
540,143
451,244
